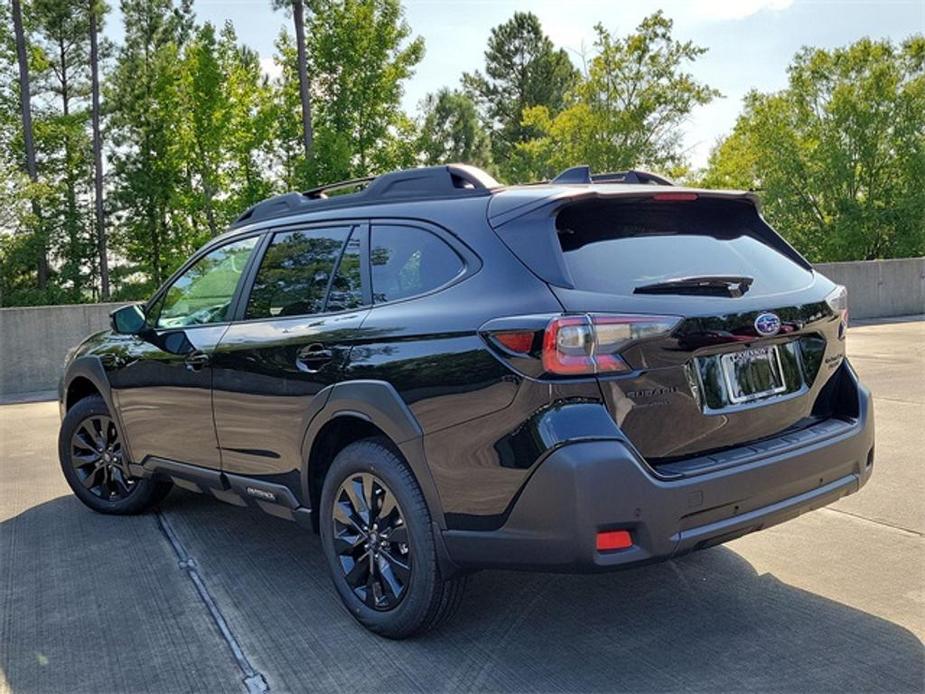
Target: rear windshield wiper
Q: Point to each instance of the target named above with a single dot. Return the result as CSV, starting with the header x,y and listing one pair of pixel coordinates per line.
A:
x,y
731,286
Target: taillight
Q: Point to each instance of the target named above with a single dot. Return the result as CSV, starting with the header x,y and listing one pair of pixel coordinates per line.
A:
x,y
838,302
591,343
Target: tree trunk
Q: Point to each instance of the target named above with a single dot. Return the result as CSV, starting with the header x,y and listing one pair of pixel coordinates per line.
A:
x,y
98,156
209,194
298,17
208,190
25,103
72,224
153,217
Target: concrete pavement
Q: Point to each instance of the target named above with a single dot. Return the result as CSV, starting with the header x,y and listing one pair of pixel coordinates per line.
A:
x,y
207,597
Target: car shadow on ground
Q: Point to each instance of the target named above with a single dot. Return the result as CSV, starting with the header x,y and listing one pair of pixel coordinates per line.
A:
x,y
706,621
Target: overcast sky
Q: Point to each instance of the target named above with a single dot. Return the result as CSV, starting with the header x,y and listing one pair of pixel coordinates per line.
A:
x,y
750,42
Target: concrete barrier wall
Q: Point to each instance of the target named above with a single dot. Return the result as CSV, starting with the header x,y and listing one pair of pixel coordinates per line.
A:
x,y
34,340
881,288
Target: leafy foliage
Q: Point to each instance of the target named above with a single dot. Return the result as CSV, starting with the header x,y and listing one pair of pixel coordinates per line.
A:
x,y
359,57
451,131
839,155
628,110
149,167
194,132
523,70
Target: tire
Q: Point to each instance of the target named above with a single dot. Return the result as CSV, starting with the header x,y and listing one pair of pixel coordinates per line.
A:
x,y
425,599
99,479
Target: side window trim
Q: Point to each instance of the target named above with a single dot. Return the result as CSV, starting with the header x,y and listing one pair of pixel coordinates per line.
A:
x,y
360,231
249,275
366,267
334,270
195,258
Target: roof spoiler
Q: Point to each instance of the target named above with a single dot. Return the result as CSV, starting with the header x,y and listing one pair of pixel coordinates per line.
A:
x,y
582,175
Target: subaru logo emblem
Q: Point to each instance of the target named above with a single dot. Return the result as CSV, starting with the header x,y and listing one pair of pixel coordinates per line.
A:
x,y
767,324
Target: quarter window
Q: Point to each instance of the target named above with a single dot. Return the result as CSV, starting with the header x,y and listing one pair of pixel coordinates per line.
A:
x,y
294,273
204,292
406,261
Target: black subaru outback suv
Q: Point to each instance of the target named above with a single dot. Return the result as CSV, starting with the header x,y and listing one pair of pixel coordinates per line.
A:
x,y
441,374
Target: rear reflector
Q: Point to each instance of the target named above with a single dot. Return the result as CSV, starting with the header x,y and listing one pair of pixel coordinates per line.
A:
x,y
674,197
519,342
614,539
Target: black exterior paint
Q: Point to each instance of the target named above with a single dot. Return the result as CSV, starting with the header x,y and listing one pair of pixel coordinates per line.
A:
x,y
477,425
264,392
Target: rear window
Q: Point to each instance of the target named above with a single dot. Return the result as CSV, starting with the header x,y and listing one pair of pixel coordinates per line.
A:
x,y
616,247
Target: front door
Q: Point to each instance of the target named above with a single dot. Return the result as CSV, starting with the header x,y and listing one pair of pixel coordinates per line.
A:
x,y
163,388
301,318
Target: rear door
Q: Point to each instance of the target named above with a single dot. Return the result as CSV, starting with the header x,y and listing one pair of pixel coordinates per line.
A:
x,y
304,307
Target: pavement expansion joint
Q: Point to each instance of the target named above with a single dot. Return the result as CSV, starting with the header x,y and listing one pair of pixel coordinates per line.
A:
x,y
882,524
254,682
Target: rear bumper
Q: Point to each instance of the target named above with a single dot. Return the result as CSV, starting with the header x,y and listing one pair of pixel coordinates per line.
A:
x,y
590,486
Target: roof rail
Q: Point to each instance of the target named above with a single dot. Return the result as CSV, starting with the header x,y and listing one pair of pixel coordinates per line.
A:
x,y
426,182
321,192
582,174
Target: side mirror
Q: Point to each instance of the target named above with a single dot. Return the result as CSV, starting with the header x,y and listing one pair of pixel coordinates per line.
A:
x,y
128,320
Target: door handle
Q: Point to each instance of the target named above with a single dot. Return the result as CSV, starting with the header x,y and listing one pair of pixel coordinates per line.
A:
x,y
196,360
312,357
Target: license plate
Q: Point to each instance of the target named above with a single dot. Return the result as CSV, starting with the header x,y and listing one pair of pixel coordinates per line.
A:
x,y
753,374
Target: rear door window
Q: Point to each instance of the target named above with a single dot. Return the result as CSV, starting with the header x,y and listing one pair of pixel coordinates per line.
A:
x,y
615,248
406,261
295,272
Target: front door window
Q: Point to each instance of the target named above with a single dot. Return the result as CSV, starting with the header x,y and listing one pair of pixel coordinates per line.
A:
x,y
204,292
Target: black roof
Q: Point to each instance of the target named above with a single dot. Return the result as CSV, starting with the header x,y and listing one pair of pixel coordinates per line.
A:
x,y
451,180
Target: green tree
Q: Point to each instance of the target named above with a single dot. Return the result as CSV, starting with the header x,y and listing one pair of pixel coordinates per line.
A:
x,y
297,9
227,131
450,131
61,33
291,166
146,126
206,130
359,55
96,11
18,251
839,155
523,69
249,145
628,110
28,143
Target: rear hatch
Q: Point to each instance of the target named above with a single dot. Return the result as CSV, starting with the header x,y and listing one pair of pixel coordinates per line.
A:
x,y
753,338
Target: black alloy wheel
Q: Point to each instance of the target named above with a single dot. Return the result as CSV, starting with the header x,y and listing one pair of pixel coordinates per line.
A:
x,y
380,544
96,454
371,541
95,462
